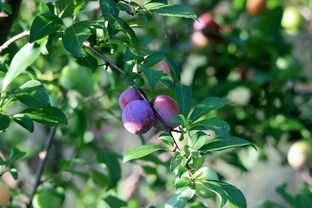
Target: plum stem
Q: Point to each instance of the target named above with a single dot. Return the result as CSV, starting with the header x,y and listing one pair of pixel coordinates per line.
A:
x,y
109,62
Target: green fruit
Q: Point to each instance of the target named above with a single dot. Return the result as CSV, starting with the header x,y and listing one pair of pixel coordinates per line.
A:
x,y
78,79
49,197
291,19
300,154
203,174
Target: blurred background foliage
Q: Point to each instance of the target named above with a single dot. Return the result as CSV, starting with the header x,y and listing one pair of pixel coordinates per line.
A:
x,y
260,62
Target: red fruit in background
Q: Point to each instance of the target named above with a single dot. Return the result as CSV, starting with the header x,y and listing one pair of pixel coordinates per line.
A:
x,y
204,21
164,67
255,7
138,117
167,108
127,96
4,194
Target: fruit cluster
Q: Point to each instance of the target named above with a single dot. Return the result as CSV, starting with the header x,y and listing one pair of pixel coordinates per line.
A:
x,y
138,115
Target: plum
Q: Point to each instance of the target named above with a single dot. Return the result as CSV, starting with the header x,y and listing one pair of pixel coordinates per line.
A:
x,y
4,194
255,7
129,95
167,108
138,117
206,21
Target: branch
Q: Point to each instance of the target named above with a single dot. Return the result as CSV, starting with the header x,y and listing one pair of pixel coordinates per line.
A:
x,y
109,62
7,22
43,159
13,39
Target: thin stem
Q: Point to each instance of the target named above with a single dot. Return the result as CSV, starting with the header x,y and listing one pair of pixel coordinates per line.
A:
x,y
13,39
43,159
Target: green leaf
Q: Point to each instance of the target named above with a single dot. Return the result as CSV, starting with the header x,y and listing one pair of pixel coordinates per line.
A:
x,y
87,60
175,202
74,37
171,10
198,139
15,154
207,105
22,59
99,178
115,202
153,59
218,125
25,121
109,7
113,166
44,25
2,161
152,76
4,122
184,99
227,193
141,151
32,94
167,139
177,163
69,8
221,143
47,115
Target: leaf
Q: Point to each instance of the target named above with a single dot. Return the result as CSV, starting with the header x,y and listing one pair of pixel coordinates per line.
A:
x,y
167,139
141,151
227,193
74,37
198,139
153,59
184,99
15,154
152,76
22,59
109,7
4,122
113,166
115,202
44,25
221,143
176,162
99,178
25,121
47,115
175,202
32,94
68,8
219,126
14,173
171,10
207,105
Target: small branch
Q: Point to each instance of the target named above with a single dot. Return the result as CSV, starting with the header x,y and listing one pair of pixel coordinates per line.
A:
x,y
109,62
43,159
13,39
6,22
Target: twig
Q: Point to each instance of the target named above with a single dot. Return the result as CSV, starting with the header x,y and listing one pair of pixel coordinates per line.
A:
x,y
108,61
13,39
43,159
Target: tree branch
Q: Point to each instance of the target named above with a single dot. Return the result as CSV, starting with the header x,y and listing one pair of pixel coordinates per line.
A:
x,y
43,159
13,39
7,21
109,62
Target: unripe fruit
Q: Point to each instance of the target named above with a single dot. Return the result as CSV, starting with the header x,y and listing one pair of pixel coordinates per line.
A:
x,y
204,173
49,197
4,194
167,108
78,79
199,40
138,117
207,27
255,7
300,154
128,96
291,19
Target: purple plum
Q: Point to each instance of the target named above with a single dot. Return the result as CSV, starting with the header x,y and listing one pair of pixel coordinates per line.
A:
x,y
138,117
129,95
167,108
